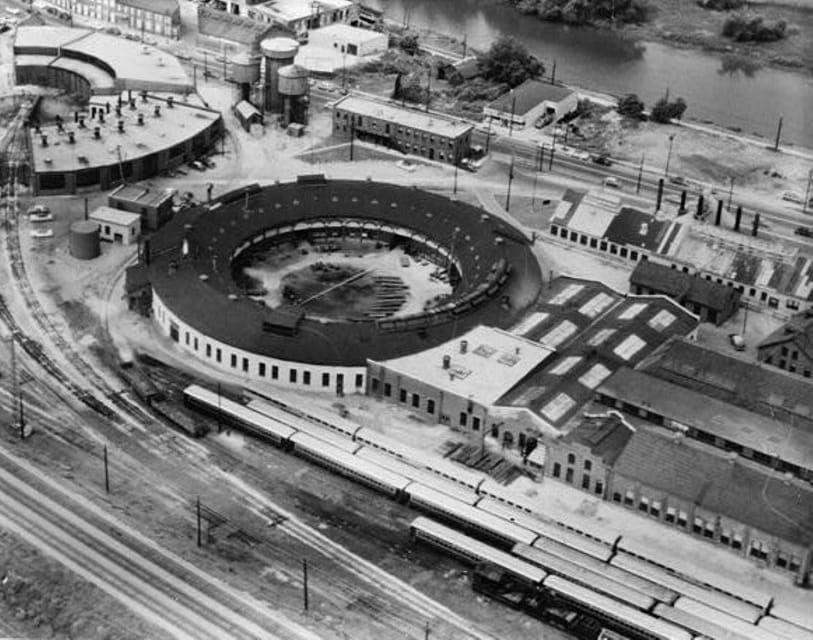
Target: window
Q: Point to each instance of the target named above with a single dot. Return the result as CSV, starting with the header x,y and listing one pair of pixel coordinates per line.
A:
x,y
306,377
292,375
359,380
599,488
261,369
245,365
430,406
725,536
708,532
416,400
186,337
402,395
643,505
464,418
274,372
387,389
557,469
616,497
554,230
586,482
670,515
234,361
208,351
781,560
218,355
697,527
195,344
784,351
682,519
588,465
571,458
793,565
326,381
495,431
629,497
475,423
569,475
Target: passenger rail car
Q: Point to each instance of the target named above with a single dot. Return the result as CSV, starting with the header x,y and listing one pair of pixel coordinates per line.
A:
x,y
616,615
473,551
784,629
705,577
468,517
695,624
349,465
422,476
719,601
596,581
548,530
238,415
787,614
725,620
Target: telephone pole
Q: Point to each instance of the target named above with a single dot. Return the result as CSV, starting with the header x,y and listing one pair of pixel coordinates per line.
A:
x,y
778,133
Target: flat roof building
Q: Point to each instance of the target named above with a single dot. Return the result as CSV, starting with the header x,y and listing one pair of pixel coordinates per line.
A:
x,y
430,135
352,41
153,205
116,225
531,100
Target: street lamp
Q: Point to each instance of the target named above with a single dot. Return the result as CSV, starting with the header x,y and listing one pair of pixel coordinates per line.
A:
x,y
669,154
807,191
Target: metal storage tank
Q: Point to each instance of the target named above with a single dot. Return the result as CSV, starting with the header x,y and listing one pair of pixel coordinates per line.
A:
x,y
293,87
84,239
278,53
245,71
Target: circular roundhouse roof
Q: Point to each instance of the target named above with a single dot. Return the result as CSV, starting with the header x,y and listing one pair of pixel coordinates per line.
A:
x,y
190,268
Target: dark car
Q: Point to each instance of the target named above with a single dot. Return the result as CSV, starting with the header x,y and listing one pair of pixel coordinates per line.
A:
x,y
603,159
807,232
207,162
678,180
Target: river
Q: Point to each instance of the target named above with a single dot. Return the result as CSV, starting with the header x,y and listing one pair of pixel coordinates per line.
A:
x,y
603,61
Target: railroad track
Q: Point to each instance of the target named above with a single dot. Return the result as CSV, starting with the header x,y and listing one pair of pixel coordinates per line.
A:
x,y
152,582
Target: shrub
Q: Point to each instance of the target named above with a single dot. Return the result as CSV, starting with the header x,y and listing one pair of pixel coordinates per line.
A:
x,y
743,28
509,62
631,106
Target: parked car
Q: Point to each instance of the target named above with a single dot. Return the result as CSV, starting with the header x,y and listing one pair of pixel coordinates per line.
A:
x,y
679,180
736,341
197,165
208,162
38,210
602,159
611,182
807,232
792,197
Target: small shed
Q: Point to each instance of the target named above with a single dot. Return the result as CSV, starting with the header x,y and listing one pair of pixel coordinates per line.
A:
x,y
531,100
350,40
116,225
247,114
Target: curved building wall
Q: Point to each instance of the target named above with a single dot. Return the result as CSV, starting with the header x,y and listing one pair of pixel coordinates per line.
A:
x,y
252,366
53,77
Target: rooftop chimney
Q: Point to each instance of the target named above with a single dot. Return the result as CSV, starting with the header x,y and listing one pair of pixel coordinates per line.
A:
x,y
141,119
121,126
76,116
96,133
132,104
464,346
107,107
71,137
447,362
44,140
170,101
101,117
157,111
118,111
92,112
143,96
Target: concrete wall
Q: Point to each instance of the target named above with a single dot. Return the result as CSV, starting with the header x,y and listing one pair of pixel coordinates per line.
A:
x,y
251,366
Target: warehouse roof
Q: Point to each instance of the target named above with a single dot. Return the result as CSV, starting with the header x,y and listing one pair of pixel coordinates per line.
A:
x,y
141,195
604,435
720,482
719,419
430,122
635,228
527,96
109,215
798,331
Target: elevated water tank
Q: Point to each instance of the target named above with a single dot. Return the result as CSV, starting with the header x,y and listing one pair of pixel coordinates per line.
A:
x,y
293,81
278,53
84,239
245,69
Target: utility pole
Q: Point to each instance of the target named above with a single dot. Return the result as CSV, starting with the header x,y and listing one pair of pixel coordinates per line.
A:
x,y
669,153
552,149
510,180
305,582
106,474
428,87
352,135
778,133
426,631
464,44
455,176
730,194
640,174
807,191
513,109
553,72
219,410
533,193
197,509
488,134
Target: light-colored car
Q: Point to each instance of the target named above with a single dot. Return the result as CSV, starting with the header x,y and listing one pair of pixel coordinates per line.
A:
x,y
736,341
792,197
611,182
38,210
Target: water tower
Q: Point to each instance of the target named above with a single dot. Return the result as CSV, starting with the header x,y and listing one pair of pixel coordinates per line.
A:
x,y
293,89
278,53
245,71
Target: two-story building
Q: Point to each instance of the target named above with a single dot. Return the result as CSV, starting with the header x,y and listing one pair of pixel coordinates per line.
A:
x,y
790,347
161,17
433,136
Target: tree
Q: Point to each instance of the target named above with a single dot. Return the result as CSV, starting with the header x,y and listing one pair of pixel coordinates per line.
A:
x,y
409,44
665,111
396,92
509,62
631,106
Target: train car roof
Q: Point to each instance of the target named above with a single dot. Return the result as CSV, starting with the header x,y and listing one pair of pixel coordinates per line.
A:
x,y
725,619
690,621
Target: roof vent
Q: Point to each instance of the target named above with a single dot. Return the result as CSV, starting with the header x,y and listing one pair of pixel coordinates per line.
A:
x,y
44,140
447,362
97,133
48,161
170,101
232,297
157,112
464,346
121,126
141,119
71,137
203,277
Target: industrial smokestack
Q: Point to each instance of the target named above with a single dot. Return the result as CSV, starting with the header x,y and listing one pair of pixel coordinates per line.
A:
x,y
755,226
141,119
719,213
738,218
121,126
71,137
699,213
660,195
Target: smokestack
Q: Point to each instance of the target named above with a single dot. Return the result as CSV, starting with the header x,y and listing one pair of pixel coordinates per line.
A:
x,y
719,213
157,111
76,116
447,362
699,213
464,346
71,137
683,199
141,119
755,226
96,133
738,218
121,126
660,195
44,140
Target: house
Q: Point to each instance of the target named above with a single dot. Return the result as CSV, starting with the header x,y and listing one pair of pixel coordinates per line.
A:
x,y
712,302
350,40
154,206
533,99
247,114
116,225
791,346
